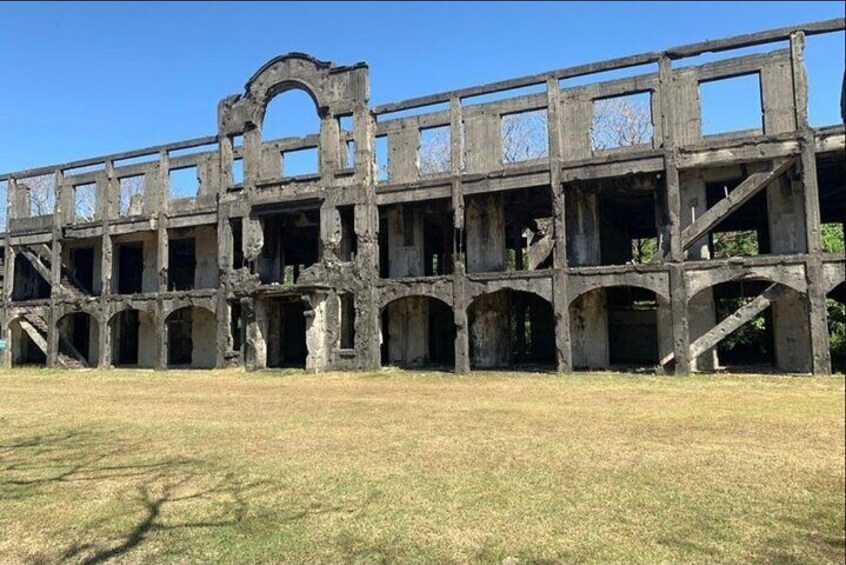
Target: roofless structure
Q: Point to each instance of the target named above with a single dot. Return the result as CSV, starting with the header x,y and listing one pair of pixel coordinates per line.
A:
x,y
486,257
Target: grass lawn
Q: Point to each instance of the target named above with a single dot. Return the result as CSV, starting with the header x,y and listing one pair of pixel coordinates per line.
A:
x,y
223,466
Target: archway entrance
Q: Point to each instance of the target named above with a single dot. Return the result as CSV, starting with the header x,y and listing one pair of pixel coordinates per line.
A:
x,y
510,328
133,339
191,339
418,331
79,335
615,326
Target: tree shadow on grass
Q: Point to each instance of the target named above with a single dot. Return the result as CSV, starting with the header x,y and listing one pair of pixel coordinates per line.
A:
x,y
44,465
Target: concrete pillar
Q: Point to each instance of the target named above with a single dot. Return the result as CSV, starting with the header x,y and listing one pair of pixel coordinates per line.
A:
x,y
255,347
664,322
161,339
786,216
790,333
408,331
589,331
485,227
582,213
316,324
104,343
490,330
702,317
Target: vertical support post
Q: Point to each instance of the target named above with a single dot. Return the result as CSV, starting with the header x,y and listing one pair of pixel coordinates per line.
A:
x,y
678,288
366,220
56,235
459,272
161,233
817,312
161,337
560,303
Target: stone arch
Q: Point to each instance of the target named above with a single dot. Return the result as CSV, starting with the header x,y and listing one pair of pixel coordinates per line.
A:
x,y
775,334
133,337
627,325
791,276
418,330
79,339
541,288
175,304
581,288
510,328
441,291
187,338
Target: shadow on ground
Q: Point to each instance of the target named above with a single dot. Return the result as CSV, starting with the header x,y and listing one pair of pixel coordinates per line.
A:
x,y
33,467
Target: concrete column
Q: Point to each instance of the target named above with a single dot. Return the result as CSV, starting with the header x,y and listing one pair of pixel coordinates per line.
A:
x,y
161,340
255,347
104,343
459,270
664,322
316,324
589,331
702,317
52,337
408,331
791,338
485,225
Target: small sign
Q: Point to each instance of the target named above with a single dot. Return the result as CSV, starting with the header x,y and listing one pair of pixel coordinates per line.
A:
x,y
2,344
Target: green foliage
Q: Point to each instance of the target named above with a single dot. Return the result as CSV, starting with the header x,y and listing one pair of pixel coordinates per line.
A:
x,y
735,244
750,336
644,249
832,238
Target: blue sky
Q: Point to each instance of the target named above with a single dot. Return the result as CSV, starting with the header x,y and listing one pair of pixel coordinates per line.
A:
x,y
81,80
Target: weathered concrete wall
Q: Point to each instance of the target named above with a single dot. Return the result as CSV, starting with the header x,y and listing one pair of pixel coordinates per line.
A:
x,y
485,226
490,331
405,242
589,331
203,352
408,331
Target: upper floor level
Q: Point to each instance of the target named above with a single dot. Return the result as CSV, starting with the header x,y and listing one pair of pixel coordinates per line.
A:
x,y
605,118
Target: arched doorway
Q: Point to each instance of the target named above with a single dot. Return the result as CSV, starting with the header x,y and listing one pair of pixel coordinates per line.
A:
x,y
191,338
79,340
758,325
418,331
617,326
133,339
511,328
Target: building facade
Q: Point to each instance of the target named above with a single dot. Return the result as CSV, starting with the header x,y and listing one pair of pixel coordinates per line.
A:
x,y
527,240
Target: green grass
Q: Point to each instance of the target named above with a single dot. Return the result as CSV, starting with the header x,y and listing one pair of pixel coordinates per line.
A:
x,y
223,466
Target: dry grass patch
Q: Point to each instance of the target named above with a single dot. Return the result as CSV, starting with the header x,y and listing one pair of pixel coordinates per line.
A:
x,y
138,466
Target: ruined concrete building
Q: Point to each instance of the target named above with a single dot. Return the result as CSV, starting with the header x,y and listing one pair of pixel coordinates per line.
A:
x,y
560,250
